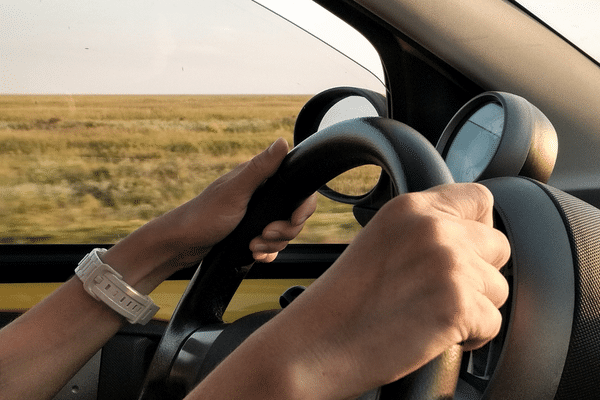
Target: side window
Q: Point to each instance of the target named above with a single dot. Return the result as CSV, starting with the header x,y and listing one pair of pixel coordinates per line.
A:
x,y
112,113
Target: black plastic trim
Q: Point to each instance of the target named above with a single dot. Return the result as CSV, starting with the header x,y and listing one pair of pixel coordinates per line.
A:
x,y
423,90
56,262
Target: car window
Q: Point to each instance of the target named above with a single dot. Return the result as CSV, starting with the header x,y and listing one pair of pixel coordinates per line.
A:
x,y
576,20
112,113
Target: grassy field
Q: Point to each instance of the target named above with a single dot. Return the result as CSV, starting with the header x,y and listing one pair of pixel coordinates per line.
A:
x,y
90,169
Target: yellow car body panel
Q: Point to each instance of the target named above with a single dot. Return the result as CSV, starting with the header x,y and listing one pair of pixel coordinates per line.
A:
x,y
253,295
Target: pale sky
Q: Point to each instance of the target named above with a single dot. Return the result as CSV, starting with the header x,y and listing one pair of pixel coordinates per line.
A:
x,y
169,46
204,46
578,20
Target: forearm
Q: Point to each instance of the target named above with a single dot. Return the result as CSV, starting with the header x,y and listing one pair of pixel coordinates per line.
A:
x,y
48,344
41,350
281,363
431,281
299,354
261,368
45,347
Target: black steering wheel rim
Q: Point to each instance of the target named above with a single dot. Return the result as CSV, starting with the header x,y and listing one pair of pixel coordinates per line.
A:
x,y
410,161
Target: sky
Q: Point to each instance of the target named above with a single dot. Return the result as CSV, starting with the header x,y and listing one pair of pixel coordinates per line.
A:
x,y
577,20
173,47
205,46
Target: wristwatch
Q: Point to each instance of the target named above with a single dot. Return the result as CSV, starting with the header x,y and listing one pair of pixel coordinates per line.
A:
x,y
105,284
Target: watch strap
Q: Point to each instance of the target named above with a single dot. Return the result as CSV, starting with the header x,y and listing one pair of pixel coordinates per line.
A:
x,y
105,284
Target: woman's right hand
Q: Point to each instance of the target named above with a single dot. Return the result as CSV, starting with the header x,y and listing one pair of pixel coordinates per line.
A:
x,y
423,275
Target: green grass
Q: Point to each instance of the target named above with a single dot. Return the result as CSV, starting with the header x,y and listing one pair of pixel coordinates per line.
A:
x,y
90,169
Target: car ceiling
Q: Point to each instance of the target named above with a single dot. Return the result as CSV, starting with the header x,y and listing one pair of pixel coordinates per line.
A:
x,y
499,46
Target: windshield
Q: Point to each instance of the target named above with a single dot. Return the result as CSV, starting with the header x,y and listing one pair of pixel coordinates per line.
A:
x,y
576,20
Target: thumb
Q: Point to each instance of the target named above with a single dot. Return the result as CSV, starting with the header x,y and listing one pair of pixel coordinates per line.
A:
x,y
254,172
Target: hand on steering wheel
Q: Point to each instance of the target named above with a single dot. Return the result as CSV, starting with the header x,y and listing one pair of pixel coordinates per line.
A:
x,y
195,227
340,312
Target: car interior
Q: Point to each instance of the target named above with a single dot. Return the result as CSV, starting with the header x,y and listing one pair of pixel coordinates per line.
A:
x,y
476,90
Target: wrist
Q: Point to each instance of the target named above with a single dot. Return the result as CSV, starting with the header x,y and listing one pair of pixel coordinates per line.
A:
x,y
156,250
144,258
104,284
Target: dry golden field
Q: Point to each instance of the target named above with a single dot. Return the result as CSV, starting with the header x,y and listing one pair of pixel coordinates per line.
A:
x,y
90,169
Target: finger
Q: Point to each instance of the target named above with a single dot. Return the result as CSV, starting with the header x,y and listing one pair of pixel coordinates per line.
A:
x,y
470,201
254,172
274,240
288,230
473,201
276,235
488,281
306,209
484,325
260,245
264,257
280,231
497,288
489,243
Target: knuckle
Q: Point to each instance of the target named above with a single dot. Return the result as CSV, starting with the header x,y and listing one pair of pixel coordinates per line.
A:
x,y
483,198
411,202
484,193
446,259
432,228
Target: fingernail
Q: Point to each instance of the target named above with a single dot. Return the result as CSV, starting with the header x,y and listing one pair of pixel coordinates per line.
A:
x,y
260,248
273,145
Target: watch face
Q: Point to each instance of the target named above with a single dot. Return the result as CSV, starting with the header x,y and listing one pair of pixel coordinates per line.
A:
x,y
475,144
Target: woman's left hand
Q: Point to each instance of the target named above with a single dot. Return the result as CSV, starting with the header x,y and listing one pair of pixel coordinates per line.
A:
x,y
217,211
183,236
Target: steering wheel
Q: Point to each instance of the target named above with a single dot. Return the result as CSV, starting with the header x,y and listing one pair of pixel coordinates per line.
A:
x,y
406,157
